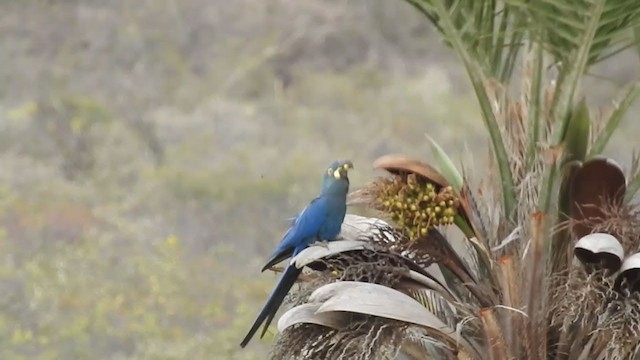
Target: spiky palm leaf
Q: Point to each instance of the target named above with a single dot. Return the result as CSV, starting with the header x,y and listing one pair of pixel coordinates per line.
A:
x,y
507,285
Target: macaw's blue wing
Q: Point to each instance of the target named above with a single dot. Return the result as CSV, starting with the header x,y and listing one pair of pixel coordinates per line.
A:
x,y
306,226
276,298
279,254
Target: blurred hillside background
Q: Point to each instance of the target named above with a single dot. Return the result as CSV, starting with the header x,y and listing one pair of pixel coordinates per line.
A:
x,y
151,153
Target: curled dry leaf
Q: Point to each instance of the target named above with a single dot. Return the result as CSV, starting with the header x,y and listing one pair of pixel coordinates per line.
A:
x,y
600,248
375,300
381,301
599,183
415,273
629,273
397,164
317,252
307,314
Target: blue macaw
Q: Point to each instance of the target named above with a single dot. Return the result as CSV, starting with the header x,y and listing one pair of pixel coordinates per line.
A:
x,y
321,220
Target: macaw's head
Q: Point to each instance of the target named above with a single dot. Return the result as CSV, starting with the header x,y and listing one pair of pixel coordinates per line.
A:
x,y
336,177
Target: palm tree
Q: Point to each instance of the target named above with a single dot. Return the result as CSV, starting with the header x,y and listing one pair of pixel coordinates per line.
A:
x,y
538,261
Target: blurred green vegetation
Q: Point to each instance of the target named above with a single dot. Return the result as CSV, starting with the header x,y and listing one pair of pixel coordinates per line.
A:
x,y
153,152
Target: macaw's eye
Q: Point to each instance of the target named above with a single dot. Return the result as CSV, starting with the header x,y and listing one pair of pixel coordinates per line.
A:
x,y
330,171
347,166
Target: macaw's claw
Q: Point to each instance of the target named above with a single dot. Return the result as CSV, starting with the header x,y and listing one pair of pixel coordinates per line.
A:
x,y
323,243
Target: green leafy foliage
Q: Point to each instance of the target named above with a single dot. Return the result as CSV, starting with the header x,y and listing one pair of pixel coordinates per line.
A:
x,y
563,24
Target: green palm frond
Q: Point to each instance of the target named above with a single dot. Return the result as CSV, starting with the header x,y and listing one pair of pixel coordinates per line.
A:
x,y
594,28
489,36
469,27
491,31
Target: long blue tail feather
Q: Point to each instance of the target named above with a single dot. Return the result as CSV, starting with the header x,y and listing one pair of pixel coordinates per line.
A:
x,y
272,305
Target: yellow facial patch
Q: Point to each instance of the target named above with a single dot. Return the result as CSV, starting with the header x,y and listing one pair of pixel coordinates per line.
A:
x,y
340,171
